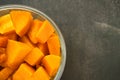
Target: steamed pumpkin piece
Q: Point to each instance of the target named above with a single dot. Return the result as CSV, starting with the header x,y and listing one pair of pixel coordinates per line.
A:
x,y
6,24
26,40
34,56
34,29
16,52
54,45
43,48
51,64
40,74
21,20
5,73
23,72
44,32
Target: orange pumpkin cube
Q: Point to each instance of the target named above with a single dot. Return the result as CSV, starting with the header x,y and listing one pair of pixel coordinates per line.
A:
x,y
40,74
51,64
34,29
21,21
23,72
44,32
54,45
16,52
34,56
6,24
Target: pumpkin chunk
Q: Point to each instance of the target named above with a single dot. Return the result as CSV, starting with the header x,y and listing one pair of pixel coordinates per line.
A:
x,y
21,21
16,52
51,64
34,56
6,24
23,72
44,32
54,45
34,29
40,74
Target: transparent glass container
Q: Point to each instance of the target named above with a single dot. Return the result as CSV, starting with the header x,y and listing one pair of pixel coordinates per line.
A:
x,y
42,16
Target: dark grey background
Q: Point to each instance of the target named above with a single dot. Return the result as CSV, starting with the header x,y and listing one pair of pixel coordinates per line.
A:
x,y
91,29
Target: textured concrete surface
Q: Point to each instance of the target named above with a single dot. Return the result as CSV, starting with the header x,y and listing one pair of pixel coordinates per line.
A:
x,y
91,29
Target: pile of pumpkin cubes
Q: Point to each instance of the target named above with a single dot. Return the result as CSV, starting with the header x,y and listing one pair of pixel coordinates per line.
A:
x,y
29,47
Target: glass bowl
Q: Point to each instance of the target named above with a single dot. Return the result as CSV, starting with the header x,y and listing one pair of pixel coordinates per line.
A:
x,y
40,15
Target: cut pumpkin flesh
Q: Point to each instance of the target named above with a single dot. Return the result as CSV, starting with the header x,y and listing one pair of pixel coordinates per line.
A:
x,y
6,24
16,52
21,21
